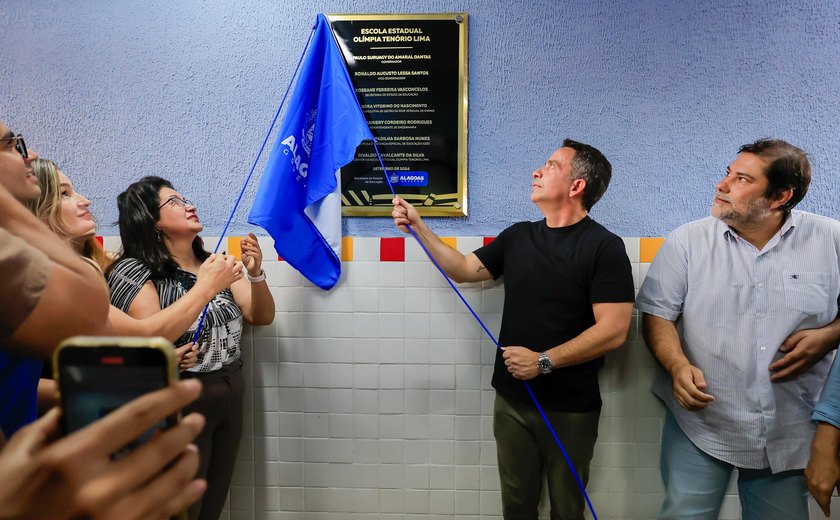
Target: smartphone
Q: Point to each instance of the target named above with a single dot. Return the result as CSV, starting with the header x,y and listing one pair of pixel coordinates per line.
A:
x,y
97,375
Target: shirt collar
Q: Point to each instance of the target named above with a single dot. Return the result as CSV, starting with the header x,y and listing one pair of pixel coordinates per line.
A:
x,y
789,223
787,226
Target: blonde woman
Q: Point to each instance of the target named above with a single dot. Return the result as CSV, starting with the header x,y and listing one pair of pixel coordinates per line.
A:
x,y
66,212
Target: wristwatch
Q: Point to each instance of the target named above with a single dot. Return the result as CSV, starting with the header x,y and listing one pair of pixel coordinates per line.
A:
x,y
543,363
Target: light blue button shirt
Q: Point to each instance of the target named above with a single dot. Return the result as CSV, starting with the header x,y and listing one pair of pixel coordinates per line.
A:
x,y
734,306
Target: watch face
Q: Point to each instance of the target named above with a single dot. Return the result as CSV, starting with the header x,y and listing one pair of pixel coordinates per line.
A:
x,y
544,364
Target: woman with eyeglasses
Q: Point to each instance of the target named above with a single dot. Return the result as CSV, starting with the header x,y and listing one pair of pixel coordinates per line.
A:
x,y
67,213
161,255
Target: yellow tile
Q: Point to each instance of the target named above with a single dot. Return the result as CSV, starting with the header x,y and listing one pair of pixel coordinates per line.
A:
x,y
234,247
346,249
450,241
648,247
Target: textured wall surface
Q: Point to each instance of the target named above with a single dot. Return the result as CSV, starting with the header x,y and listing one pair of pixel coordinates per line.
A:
x,y
668,90
372,401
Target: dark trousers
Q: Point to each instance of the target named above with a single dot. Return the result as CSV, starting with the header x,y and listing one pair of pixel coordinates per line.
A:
x,y
526,451
221,404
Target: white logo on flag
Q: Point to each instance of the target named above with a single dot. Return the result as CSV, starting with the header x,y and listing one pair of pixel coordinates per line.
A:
x,y
308,132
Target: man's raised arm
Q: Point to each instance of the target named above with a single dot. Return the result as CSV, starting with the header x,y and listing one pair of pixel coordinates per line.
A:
x,y
456,265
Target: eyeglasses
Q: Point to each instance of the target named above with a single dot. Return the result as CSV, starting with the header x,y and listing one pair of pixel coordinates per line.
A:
x,y
176,202
20,146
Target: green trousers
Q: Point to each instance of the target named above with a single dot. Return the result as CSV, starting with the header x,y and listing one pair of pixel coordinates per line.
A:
x,y
527,451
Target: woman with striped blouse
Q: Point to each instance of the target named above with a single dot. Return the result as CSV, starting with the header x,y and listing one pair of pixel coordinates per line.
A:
x,y
161,255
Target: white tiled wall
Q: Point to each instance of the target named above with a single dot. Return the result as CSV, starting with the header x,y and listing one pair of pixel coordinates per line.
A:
x,y
373,401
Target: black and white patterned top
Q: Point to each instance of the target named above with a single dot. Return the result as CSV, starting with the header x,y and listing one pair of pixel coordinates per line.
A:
x,y
221,333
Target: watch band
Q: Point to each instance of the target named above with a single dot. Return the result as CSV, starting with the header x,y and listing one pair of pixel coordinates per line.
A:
x,y
255,279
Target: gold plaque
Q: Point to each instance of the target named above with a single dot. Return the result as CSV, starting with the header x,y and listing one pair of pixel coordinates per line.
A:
x,y
410,75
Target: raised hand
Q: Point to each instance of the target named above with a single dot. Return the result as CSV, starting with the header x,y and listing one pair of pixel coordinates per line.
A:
x,y
404,214
252,255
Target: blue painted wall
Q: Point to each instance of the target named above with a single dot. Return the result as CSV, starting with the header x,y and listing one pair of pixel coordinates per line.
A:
x,y
114,90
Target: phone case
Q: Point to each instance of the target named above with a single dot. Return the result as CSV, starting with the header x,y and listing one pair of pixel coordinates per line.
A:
x,y
158,343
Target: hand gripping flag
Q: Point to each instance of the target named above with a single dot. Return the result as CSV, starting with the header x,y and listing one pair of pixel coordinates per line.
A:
x,y
298,201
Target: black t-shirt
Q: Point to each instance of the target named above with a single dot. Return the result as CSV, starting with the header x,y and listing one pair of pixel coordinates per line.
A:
x,y
552,276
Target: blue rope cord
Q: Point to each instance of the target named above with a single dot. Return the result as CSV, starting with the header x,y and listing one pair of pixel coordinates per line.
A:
x,y
251,173
499,347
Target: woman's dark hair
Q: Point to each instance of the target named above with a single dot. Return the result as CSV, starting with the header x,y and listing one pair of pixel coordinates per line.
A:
x,y
139,207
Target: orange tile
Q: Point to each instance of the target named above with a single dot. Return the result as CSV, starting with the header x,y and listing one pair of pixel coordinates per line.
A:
x,y
346,249
450,241
648,247
234,247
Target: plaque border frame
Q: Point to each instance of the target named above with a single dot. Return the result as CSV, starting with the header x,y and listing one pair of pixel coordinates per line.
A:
x,y
462,110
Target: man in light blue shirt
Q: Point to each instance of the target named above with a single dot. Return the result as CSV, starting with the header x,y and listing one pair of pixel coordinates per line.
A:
x,y
755,291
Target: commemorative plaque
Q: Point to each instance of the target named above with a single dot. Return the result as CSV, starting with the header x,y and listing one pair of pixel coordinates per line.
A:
x,y
410,75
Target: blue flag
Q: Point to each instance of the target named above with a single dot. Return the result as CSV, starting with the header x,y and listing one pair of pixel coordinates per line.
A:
x,y
298,201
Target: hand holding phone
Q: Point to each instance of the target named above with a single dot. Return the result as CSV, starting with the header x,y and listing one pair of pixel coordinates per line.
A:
x,y
76,477
97,375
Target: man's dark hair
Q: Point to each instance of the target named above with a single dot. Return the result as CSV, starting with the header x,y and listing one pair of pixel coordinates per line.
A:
x,y
788,169
139,210
590,165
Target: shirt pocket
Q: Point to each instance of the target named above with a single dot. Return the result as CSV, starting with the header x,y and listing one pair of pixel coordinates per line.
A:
x,y
807,292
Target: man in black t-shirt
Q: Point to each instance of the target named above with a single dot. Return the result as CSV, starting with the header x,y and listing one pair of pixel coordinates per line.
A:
x,y
568,301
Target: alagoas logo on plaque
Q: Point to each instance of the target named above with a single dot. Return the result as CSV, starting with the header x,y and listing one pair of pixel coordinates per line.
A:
x,y
410,179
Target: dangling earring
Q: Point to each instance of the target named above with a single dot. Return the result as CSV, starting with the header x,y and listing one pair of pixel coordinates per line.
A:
x,y
158,235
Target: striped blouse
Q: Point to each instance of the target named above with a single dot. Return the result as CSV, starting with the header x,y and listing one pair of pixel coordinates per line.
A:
x,y
221,333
